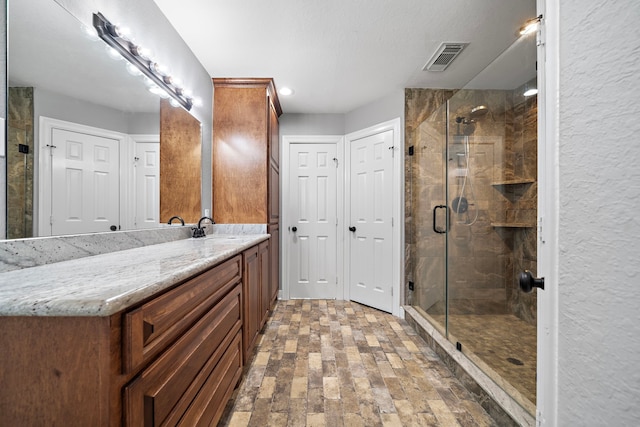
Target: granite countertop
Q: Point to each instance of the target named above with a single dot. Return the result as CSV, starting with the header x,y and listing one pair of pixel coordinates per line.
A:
x,y
105,284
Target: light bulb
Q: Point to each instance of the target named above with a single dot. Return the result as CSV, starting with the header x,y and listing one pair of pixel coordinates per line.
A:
x,y
133,70
113,53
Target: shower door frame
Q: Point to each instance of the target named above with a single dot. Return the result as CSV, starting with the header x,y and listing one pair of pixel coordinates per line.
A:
x,y
548,51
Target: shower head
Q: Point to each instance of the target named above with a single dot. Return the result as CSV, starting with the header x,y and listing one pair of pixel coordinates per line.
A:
x,y
479,111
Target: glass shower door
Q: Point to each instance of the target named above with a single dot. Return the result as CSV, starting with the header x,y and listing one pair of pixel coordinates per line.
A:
x,y
473,216
492,193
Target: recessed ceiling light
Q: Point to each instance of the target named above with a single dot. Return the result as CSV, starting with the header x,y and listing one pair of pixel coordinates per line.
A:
x,y
531,92
285,91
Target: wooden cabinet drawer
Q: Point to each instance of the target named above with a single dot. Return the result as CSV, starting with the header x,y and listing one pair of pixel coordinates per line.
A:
x,y
179,388
152,327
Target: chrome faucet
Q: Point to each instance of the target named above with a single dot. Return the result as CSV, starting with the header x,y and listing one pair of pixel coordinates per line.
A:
x,y
176,217
199,231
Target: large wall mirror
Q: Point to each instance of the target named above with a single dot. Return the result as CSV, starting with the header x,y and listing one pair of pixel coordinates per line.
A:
x,y
84,132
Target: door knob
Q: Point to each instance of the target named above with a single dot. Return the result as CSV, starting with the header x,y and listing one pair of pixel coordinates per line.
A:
x,y
353,229
528,282
113,228
294,229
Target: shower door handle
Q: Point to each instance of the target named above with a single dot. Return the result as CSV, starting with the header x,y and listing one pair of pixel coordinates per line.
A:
x,y
528,282
435,216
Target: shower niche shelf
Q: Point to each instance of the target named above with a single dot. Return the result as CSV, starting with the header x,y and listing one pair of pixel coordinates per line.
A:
x,y
512,225
519,181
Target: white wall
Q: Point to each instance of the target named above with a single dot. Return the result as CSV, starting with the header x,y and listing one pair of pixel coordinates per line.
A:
x,y
379,111
311,124
62,107
599,195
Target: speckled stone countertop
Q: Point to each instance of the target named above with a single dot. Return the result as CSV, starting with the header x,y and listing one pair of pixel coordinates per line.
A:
x,y
105,284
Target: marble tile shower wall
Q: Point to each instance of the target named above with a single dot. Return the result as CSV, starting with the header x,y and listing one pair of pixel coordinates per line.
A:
x,y
424,249
483,259
20,131
524,201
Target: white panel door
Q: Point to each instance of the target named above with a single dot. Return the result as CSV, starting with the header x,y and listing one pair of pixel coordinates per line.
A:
x,y
85,183
147,179
370,226
313,227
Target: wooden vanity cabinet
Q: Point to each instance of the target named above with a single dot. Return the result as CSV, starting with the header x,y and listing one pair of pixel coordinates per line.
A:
x,y
246,159
274,257
257,301
173,359
246,151
190,380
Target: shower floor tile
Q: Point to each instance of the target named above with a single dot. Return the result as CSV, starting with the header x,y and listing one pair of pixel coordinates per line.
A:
x,y
505,343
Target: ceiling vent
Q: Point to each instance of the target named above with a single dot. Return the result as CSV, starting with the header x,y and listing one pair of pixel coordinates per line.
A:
x,y
444,56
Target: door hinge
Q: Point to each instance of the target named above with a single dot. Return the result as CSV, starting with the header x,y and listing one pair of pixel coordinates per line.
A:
x,y
392,221
392,291
411,150
51,220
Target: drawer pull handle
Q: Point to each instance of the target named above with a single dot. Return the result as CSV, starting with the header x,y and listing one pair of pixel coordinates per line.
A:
x,y
147,330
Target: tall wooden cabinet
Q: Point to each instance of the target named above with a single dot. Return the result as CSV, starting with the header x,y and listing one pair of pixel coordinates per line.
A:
x,y
246,160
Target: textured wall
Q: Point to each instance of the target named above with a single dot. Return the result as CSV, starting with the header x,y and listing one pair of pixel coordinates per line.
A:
x,y
599,196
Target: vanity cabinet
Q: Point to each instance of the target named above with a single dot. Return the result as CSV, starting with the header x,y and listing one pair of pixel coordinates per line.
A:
x,y
274,257
246,158
245,151
171,359
191,380
257,298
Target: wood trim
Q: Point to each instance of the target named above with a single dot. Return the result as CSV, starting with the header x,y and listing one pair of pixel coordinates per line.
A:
x,y
240,82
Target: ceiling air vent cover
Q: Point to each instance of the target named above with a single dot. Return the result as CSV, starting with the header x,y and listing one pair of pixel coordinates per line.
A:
x,y
444,56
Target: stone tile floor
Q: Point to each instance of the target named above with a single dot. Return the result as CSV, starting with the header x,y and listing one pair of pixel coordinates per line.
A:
x,y
338,363
505,343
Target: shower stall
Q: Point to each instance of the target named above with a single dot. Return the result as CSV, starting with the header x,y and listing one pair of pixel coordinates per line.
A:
x,y
471,216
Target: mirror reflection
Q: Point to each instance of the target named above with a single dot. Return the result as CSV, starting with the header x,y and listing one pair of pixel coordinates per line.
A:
x,y
83,132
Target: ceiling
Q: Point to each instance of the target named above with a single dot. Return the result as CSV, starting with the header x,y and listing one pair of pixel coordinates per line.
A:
x,y
49,49
338,55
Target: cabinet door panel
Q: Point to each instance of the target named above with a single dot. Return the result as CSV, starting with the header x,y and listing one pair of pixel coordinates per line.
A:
x,y
274,259
265,294
251,295
274,195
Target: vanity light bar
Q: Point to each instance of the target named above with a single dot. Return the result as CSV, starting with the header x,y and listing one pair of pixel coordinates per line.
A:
x,y
133,53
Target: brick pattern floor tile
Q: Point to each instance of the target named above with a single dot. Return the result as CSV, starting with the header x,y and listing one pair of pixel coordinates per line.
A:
x,y
339,363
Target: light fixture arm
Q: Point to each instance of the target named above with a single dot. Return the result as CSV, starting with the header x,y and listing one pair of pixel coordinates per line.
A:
x,y
132,53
